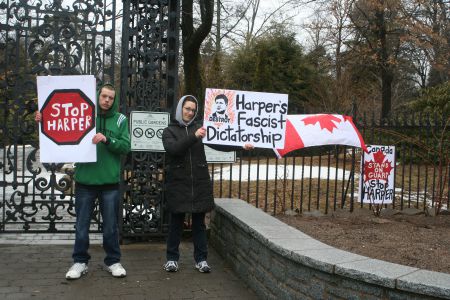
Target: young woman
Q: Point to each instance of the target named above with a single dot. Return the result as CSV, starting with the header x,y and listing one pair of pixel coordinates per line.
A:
x,y
188,185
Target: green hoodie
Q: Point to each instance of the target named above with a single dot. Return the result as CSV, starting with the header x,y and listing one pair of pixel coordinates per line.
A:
x,y
106,170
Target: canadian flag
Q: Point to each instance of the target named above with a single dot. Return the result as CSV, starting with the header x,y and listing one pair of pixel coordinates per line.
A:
x,y
321,129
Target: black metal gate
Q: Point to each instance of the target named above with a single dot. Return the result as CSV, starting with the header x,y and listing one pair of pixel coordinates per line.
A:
x,y
63,37
149,80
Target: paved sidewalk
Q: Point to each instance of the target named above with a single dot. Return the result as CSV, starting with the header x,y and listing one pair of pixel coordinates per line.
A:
x,y
36,271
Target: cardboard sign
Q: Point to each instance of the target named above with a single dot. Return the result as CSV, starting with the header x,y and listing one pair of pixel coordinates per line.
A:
x,y
68,109
239,117
377,180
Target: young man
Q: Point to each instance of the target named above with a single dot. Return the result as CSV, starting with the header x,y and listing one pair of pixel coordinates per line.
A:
x,y
101,180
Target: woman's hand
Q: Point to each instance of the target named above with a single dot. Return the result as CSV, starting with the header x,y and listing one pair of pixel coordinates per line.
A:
x,y
248,147
200,133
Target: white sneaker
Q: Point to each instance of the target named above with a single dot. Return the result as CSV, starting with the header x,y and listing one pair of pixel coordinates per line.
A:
x,y
171,266
76,270
116,270
203,267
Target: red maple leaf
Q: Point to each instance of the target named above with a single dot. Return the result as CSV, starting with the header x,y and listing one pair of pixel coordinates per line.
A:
x,y
377,168
326,121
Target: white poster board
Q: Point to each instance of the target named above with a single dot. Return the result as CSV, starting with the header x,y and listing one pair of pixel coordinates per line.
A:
x,y
238,117
215,156
146,130
377,180
68,109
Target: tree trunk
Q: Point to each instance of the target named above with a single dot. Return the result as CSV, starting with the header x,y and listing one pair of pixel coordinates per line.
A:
x,y
386,91
192,40
386,73
192,75
440,69
218,27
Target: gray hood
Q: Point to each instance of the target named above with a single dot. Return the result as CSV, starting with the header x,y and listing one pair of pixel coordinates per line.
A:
x,y
179,111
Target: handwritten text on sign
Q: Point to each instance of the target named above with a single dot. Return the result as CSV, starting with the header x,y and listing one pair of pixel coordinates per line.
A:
x,y
67,116
68,109
239,117
376,184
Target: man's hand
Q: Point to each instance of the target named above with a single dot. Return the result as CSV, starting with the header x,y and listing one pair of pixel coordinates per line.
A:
x,y
37,116
99,137
200,133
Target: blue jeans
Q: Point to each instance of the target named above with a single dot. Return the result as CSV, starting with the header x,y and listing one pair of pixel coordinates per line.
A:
x,y
198,235
109,209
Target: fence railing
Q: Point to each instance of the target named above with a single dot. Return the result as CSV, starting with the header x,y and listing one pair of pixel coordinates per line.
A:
x,y
327,178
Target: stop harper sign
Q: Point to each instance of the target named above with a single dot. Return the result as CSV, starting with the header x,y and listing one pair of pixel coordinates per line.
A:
x,y
67,116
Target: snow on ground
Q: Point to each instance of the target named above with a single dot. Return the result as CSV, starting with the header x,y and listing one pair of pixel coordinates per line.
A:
x,y
280,172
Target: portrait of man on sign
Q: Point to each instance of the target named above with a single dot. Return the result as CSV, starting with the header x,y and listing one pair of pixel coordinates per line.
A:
x,y
220,115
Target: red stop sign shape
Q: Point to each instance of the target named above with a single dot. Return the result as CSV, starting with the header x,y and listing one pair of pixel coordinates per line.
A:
x,y
67,116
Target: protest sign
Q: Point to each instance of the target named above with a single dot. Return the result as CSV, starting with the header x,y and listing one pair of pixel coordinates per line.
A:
x,y
239,117
377,180
67,105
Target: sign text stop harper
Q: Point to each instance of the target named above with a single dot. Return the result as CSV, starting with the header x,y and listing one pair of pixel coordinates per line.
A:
x,y
68,109
67,116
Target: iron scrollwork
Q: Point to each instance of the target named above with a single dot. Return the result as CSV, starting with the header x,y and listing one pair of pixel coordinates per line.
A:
x,y
149,85
78,37
44,38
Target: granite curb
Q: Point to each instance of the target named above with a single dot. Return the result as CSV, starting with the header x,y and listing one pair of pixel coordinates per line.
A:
x,y
300,248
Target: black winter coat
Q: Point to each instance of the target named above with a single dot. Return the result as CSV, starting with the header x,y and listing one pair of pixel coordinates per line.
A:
x,y
188,185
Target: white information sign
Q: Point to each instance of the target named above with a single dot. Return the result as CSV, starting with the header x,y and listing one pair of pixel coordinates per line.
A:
x,y
377,180
68,108
239,117
146,130
215,156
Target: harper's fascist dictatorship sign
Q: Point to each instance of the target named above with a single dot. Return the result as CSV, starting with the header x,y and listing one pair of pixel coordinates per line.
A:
x,y
238,117
67,105
376,183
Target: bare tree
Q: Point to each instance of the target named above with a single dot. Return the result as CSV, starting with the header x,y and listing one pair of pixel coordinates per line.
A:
x,y
428,26
237,24
379,38
192,41
241,22
331,29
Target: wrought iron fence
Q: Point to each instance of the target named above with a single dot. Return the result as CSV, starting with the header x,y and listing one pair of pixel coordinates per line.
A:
x,y
326,178
64,37
44,38
149,83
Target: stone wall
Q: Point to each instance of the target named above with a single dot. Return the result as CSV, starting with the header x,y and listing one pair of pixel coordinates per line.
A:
x,y
280,262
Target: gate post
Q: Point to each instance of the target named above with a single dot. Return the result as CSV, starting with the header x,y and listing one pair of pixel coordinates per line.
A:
x,y
149,80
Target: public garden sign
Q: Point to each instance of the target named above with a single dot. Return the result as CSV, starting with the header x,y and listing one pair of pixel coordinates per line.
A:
x,y
146,130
